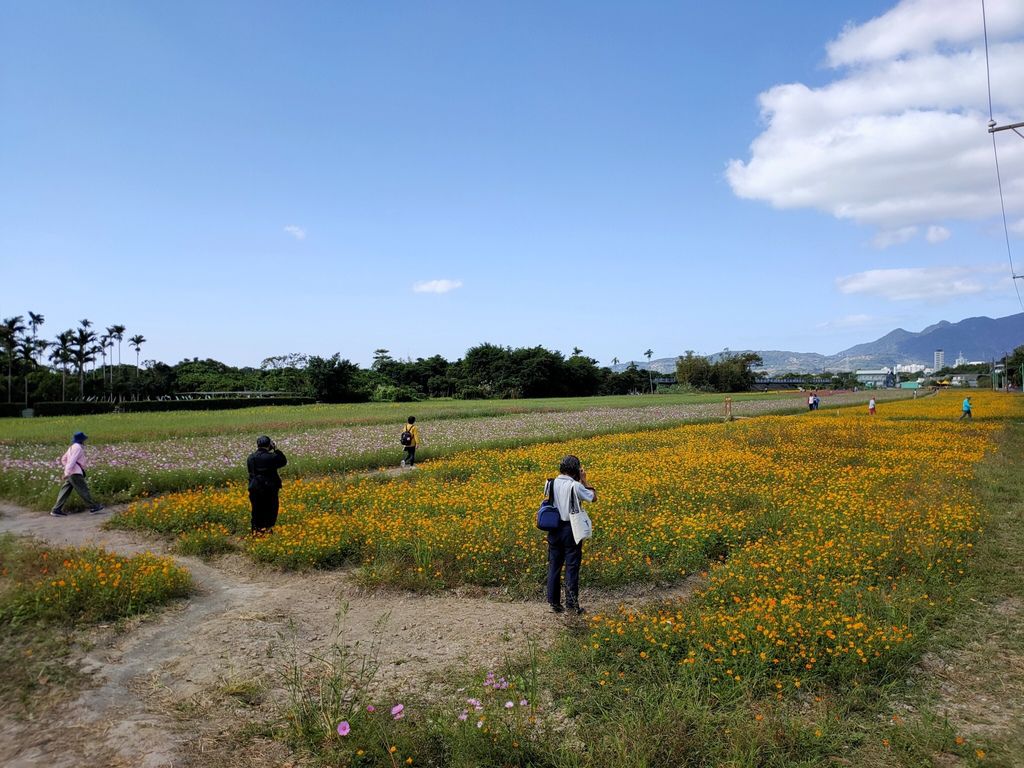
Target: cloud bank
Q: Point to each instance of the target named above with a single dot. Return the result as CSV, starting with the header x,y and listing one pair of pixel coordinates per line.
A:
x,y
297,232
897,140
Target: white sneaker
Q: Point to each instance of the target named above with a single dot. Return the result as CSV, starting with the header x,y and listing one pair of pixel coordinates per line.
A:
x,y
403,463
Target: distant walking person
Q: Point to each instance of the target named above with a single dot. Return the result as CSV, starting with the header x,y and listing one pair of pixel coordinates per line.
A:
x,y
410,439
73,462
871,406
264,484
810,402
966,408
568,489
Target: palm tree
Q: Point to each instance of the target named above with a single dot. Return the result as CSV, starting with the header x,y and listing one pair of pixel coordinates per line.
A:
x,y
650,375
117,334
34,322
83,352
9,331
136,342
576,351
28,347
615,361
62,354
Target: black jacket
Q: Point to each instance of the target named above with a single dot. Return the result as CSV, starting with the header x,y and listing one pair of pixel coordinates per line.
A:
x,y
263,466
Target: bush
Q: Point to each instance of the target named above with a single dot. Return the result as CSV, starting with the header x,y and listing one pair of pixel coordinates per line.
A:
x,y
72,408
10,410
389,393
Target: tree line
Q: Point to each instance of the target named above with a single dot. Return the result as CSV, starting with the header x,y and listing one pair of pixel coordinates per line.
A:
x,y
85,363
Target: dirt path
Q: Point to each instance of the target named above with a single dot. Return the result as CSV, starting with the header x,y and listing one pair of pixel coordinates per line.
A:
x,y
233,630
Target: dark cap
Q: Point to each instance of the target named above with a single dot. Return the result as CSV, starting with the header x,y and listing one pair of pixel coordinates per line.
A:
x,y
79,437
263,441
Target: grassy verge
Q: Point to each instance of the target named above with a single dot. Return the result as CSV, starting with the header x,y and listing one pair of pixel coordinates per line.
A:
x,y
47,595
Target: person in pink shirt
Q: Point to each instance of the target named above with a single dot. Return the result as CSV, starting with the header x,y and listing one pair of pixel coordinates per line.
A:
x,y
73,462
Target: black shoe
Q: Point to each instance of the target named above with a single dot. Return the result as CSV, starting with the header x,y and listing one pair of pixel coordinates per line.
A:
x,y
58,513
557,607
576,609
97,509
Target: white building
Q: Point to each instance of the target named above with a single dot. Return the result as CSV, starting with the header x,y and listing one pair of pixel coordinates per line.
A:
x,y
911,368
940,360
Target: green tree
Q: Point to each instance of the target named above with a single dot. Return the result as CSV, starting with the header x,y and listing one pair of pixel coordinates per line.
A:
x,y
63,355
83,352
9,330
650,375
694,370
136,343
34,322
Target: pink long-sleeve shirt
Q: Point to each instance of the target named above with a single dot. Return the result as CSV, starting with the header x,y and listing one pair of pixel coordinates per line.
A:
x,y
73,460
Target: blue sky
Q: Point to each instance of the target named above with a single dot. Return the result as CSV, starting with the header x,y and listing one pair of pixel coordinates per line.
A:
x,y
243,179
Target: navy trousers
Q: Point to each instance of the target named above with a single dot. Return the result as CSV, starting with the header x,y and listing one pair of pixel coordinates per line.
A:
x,y
563,550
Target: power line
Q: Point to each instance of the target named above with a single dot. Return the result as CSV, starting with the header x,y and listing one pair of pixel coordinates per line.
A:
x,y
992,128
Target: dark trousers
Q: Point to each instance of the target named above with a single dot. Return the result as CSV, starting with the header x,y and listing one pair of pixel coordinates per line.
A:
x,y
966,415
563,550
410,455
265,504
73,483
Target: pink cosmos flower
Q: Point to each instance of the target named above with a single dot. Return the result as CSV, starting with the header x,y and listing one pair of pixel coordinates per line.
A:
x,y
370,708
344,728
523,703
398,711
463,715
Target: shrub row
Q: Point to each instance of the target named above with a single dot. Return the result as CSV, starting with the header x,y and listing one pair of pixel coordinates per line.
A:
x,y
77,408
220,404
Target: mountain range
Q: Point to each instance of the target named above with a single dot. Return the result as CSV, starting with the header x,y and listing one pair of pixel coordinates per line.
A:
x,y
976,338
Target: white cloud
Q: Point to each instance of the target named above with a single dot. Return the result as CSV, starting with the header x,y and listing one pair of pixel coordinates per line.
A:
x,y
900,139
437,286
915,26
297,232
915,283
937,234
893,237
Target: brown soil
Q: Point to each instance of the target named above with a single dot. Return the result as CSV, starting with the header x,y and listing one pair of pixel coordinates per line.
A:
x,y
162,691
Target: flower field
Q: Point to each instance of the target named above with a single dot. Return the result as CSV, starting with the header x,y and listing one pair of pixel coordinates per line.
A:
x,y
124,469
90,584
670,499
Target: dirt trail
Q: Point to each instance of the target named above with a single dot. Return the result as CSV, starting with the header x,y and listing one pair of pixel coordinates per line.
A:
x,y
228,631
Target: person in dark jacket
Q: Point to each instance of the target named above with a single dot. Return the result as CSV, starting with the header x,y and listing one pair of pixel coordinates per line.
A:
x,y
264,483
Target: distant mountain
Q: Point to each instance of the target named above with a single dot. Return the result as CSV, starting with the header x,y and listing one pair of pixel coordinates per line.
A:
x,y
976,338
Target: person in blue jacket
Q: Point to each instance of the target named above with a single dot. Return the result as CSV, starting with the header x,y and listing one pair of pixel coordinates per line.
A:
x,y
966,410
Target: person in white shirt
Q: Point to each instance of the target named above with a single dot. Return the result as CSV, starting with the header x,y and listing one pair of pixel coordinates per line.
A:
x,y
568,489
73,462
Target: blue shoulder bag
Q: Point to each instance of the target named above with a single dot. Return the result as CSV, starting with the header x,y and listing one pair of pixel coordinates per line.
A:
x,y
548,518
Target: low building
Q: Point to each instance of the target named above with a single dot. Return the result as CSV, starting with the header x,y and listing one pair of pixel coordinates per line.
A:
x,y
876,379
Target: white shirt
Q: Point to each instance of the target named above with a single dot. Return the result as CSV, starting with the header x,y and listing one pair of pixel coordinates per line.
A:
x,y
563,494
